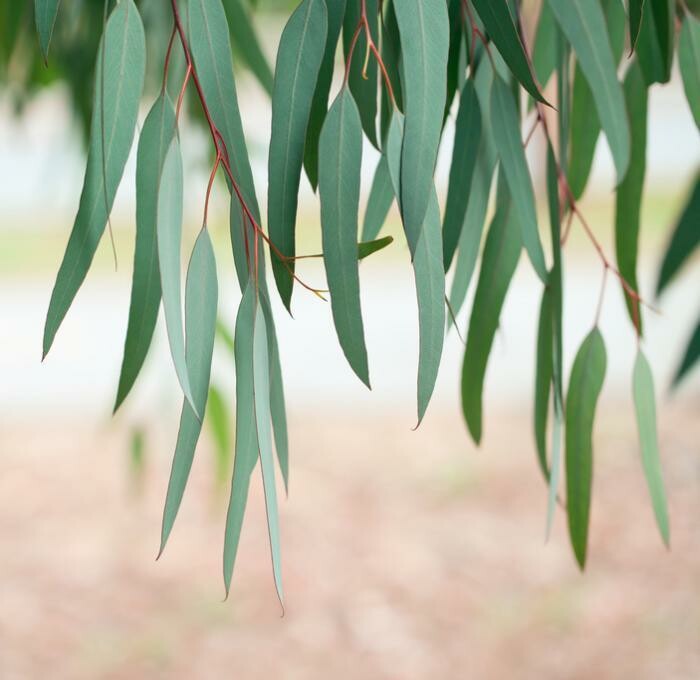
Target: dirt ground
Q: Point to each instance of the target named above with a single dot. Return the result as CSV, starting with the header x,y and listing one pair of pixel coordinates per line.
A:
x,y
406,556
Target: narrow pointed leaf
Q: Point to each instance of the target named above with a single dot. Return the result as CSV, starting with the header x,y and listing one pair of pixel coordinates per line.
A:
x,y
156,135
544,52
555,472
543,378
246,41
336,12
169,236
45,12
501,254
585,384
464,156
391,55
684,241
585,124
645,407
210,44
424,30
430,289
363,84
381,196
201,299
367,248
261,390
111,135
583,23
689,62
630,192
298,61
340,159
508,140
690,358
498,21
655,41
635,18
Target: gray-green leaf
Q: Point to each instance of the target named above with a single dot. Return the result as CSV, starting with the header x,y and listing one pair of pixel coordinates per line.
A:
x,y
45,12
645,406
381,196
587,376
689,62
299,58
111,134
340,159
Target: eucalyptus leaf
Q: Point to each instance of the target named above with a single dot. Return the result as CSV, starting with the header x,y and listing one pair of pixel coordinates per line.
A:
x,y
690,358
689,62
121,59
543,378
45,12
381,196
585,384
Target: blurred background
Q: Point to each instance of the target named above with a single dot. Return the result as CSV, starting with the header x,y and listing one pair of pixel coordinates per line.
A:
x,y
406,554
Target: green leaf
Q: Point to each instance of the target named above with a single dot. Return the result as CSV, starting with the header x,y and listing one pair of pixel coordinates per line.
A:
x,y
201,300
210,45
690,358
111,135
391,54
464,157
219,420
655,41
245,39
45,12
430,289
635,16
501,254
689,62
340,159
543,378
501,28
169,236
583,23
425,31
154,142
585,384
261,393
381,196
544,53
645,406
363,89
585,124
506,134
631,191
684,241
555,471
336,11
367,248
298,61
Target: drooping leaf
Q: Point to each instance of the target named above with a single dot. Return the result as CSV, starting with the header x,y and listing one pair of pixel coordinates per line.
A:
x,y
455,71
690,358
219,418
508,140
156,135
261,394
336,12
209,43
169,237
246,41
684,241
585,124
543,378
555,471
498,21
430,289
111,135
381,196
424,31
645,407
655,41
464,157
363,82
298,61
501,254
340,159
631,190
201,300
689,62
635,17
544,52
391,55
45,12
585,384
367,248
583,23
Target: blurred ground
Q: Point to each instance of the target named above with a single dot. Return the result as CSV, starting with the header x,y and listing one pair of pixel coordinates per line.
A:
x,y
406,555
